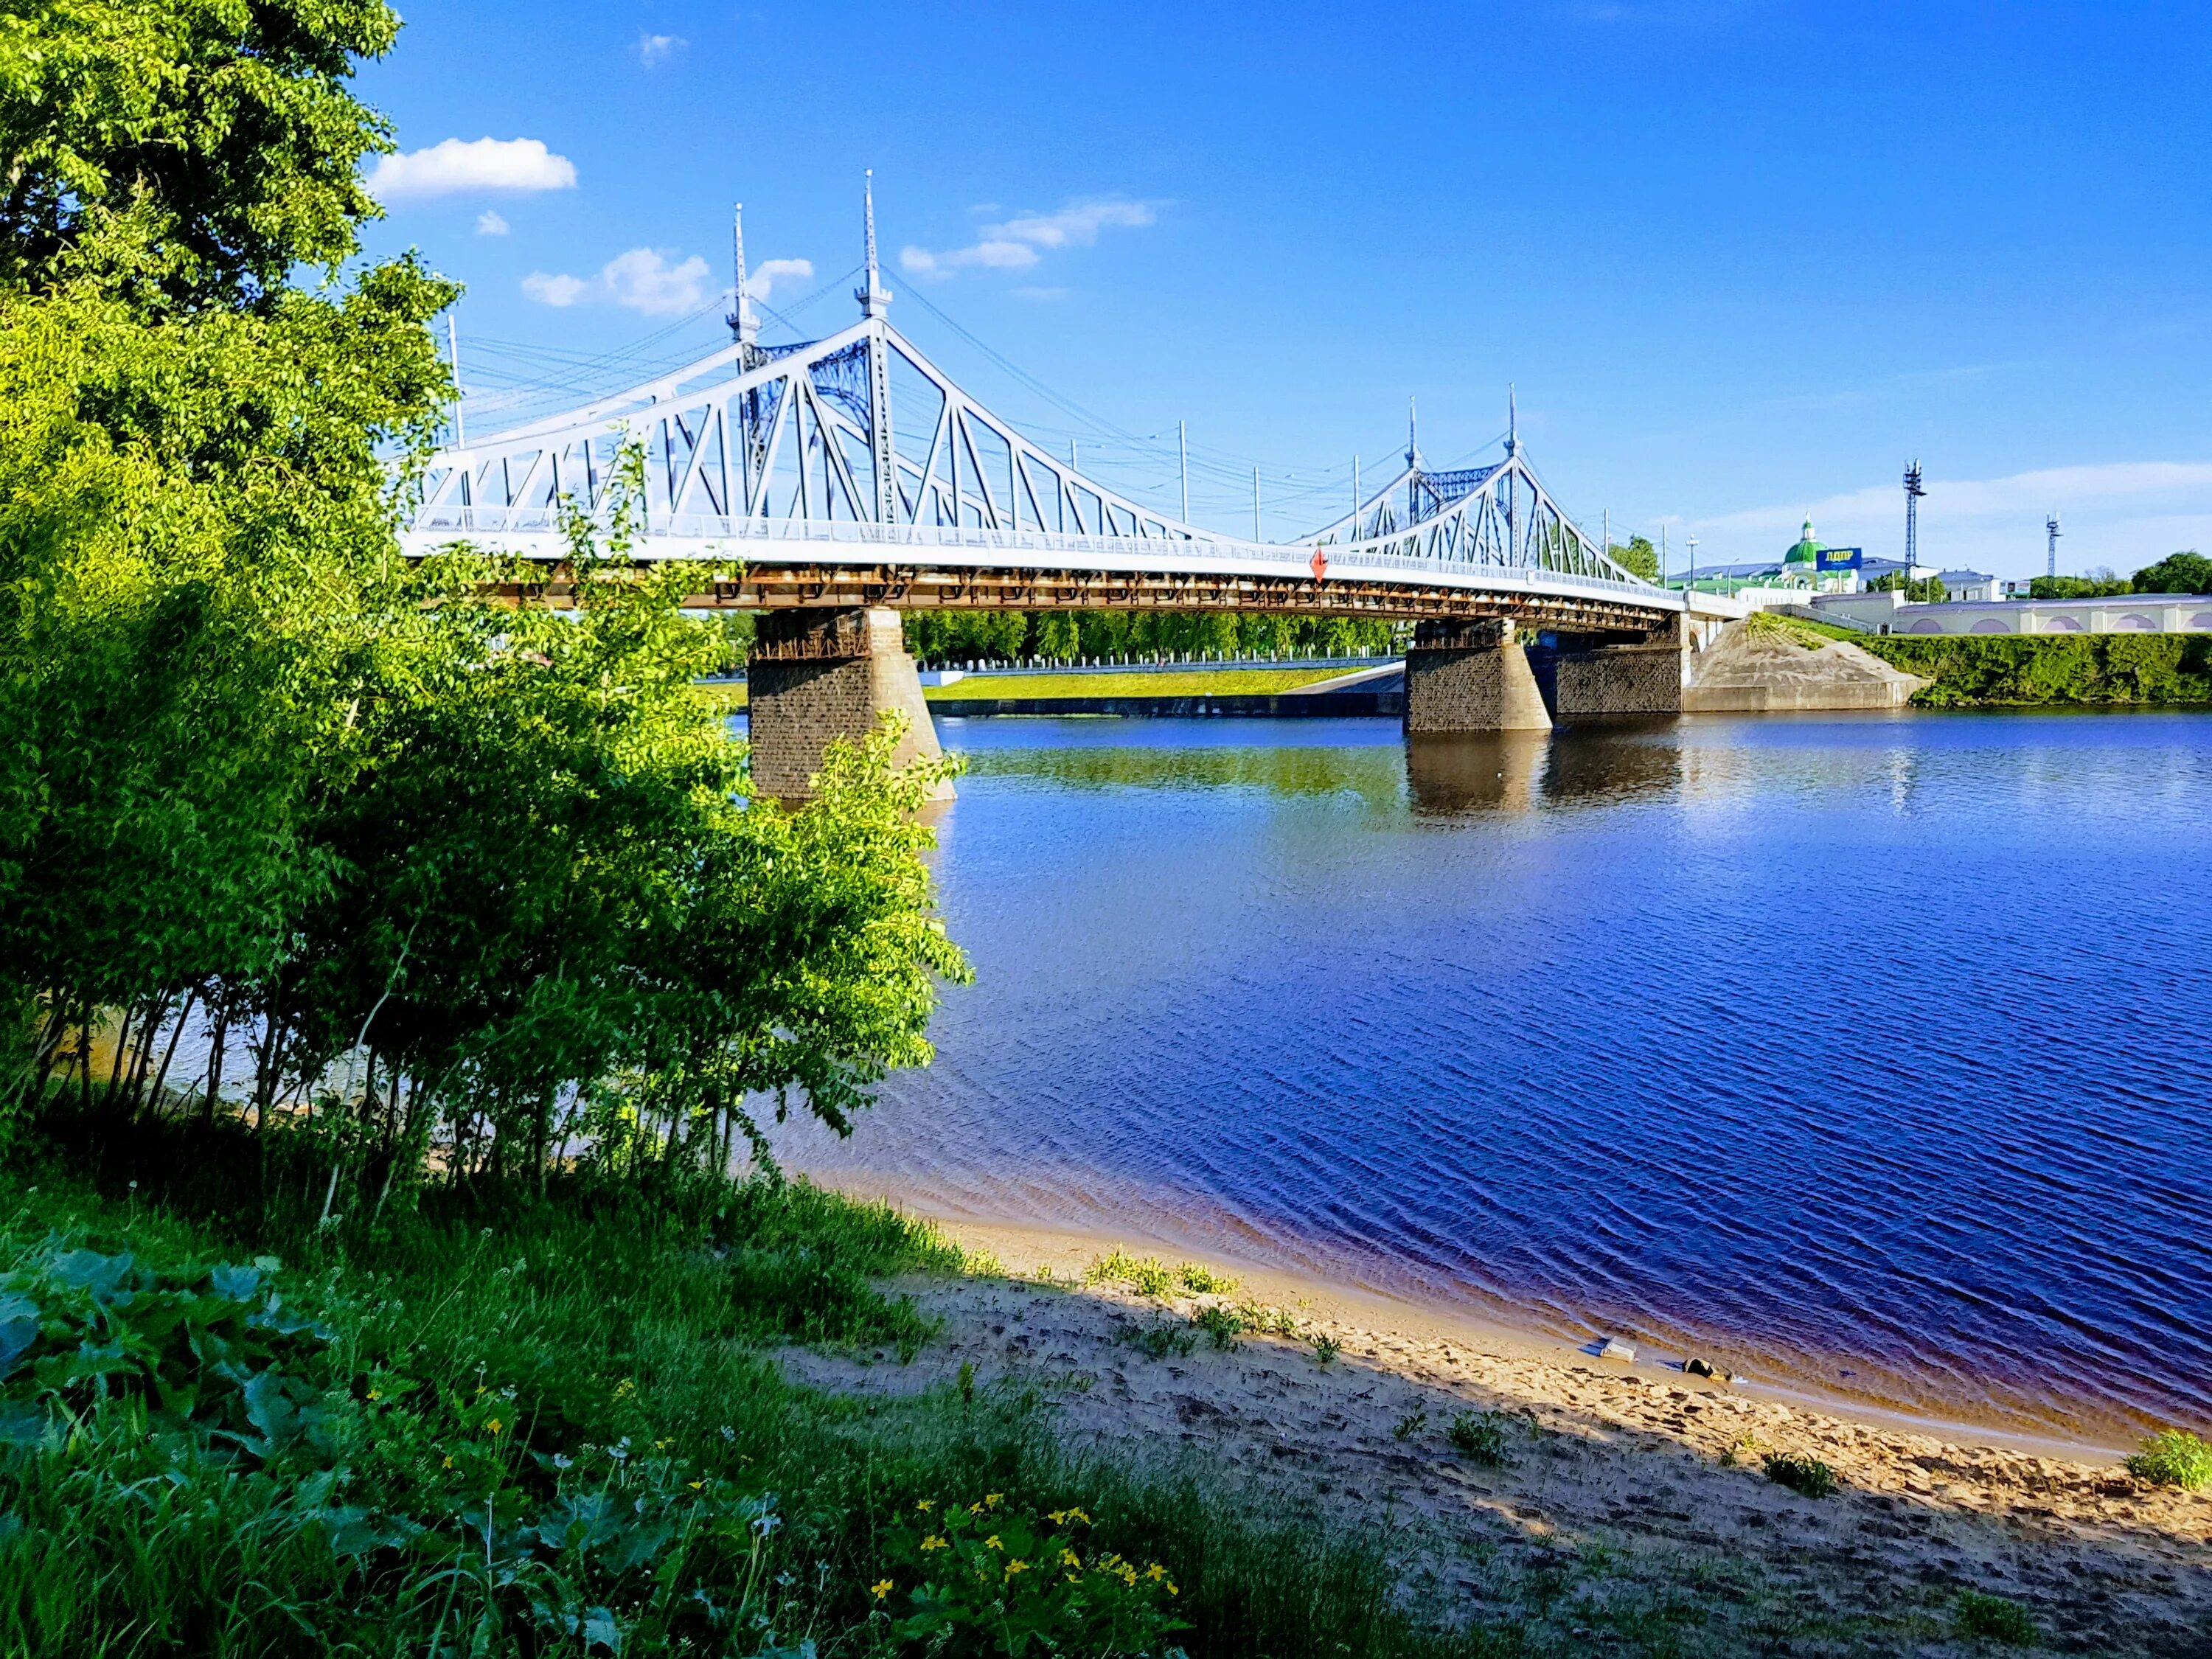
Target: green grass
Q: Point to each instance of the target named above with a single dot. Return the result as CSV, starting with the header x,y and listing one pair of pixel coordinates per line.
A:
x,y
729,696
506,1423
1479,1436
1163,682
1800,630
2175,1458
1993,1619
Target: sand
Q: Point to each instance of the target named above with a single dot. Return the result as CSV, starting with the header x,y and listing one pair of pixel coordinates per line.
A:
x,y
1626,1490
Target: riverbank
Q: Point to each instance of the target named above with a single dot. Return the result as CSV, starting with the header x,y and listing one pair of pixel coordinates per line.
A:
x,y
1627,1483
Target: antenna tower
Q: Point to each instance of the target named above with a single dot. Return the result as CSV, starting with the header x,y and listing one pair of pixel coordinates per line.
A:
x,y
1913,492
2052,533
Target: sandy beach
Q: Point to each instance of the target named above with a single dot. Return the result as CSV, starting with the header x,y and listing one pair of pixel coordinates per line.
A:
x,y
1605,1491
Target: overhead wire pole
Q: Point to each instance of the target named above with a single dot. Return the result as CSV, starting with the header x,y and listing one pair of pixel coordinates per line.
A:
x,y
454,351
1182,463
1255,504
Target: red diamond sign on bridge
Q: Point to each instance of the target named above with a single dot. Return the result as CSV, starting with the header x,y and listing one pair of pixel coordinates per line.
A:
x,y
1320,564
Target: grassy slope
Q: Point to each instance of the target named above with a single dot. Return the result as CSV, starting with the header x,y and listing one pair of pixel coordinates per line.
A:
x,y
1163,682
529,1361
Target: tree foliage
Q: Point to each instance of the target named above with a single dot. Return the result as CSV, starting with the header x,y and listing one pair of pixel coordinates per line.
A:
x,y
1638,556
230,119
2176,572
431,878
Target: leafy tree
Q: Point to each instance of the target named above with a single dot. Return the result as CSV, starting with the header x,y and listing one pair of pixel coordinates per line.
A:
x,y
229,120
2176,572
1640,556
1922,590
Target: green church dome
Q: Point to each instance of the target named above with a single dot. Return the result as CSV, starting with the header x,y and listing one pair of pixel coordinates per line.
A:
x,y
1807,551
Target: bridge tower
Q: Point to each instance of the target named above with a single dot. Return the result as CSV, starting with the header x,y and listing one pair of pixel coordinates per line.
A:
x,y
817,673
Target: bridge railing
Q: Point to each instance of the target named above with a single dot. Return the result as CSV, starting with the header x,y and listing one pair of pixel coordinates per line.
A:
x,y
781,541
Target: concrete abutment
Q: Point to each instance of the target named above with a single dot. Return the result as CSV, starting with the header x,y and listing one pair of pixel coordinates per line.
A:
x,y
818,674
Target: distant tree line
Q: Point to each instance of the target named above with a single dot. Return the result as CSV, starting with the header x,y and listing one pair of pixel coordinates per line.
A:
x,y
2189,572
942,636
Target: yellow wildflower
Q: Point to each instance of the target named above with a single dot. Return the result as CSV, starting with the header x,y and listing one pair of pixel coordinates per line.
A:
x,y
925,1506
1069,1559
493,1425
882,1588
1129,1576
1058,1517
932,1543
991,1499
1078,1514
624,1388
663,1445
1156,1572
449,1463
992,1542
1172,1590
376,1394
697,1484
1014,1567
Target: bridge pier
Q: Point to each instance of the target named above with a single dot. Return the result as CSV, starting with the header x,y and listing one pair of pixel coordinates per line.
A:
x,y
1471,677
817,674
1585,675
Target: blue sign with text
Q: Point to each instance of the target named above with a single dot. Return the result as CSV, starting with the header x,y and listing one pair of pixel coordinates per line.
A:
x,y
1839,558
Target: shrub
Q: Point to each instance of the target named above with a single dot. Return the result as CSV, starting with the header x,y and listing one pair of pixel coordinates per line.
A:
x,y
1325,1346
1410,1425
1479,1436
1995,1618
1808,1475
2175,1458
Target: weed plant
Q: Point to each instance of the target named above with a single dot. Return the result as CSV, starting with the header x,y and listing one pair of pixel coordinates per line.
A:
x,y
1808,1476
1222,1326
1479,1436
2175,1458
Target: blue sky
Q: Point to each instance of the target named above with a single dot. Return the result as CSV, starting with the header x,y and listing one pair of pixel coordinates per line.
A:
x,y
1743,259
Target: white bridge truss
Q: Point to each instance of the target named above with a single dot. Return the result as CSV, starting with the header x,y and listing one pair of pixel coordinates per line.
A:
x,y
856,451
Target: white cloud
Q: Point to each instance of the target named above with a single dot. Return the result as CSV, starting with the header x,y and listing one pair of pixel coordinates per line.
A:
x,y
454,168
491,224
642,280
1019,243
2043,490
555,291
654,49
761,280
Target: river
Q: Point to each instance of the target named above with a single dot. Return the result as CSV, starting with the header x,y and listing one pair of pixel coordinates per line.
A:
x,y
1870,1052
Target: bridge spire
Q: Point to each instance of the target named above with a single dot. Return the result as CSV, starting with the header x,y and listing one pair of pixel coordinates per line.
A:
x,y
1512,421
744,327
875,297
1412,442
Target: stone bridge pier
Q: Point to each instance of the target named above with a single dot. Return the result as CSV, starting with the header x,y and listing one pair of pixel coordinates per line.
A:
x,y
1586,675
1471,677
818,674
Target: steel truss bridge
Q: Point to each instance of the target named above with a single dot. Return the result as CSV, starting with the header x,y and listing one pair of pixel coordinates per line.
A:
x,y
851,470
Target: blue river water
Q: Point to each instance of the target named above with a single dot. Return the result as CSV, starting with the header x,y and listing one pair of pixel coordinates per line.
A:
x,y
1874,1051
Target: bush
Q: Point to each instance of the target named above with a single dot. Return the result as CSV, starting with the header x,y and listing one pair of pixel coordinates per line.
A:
x,y
1806,1475
1995,671
1994,1618
1221,1325
2175,1458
